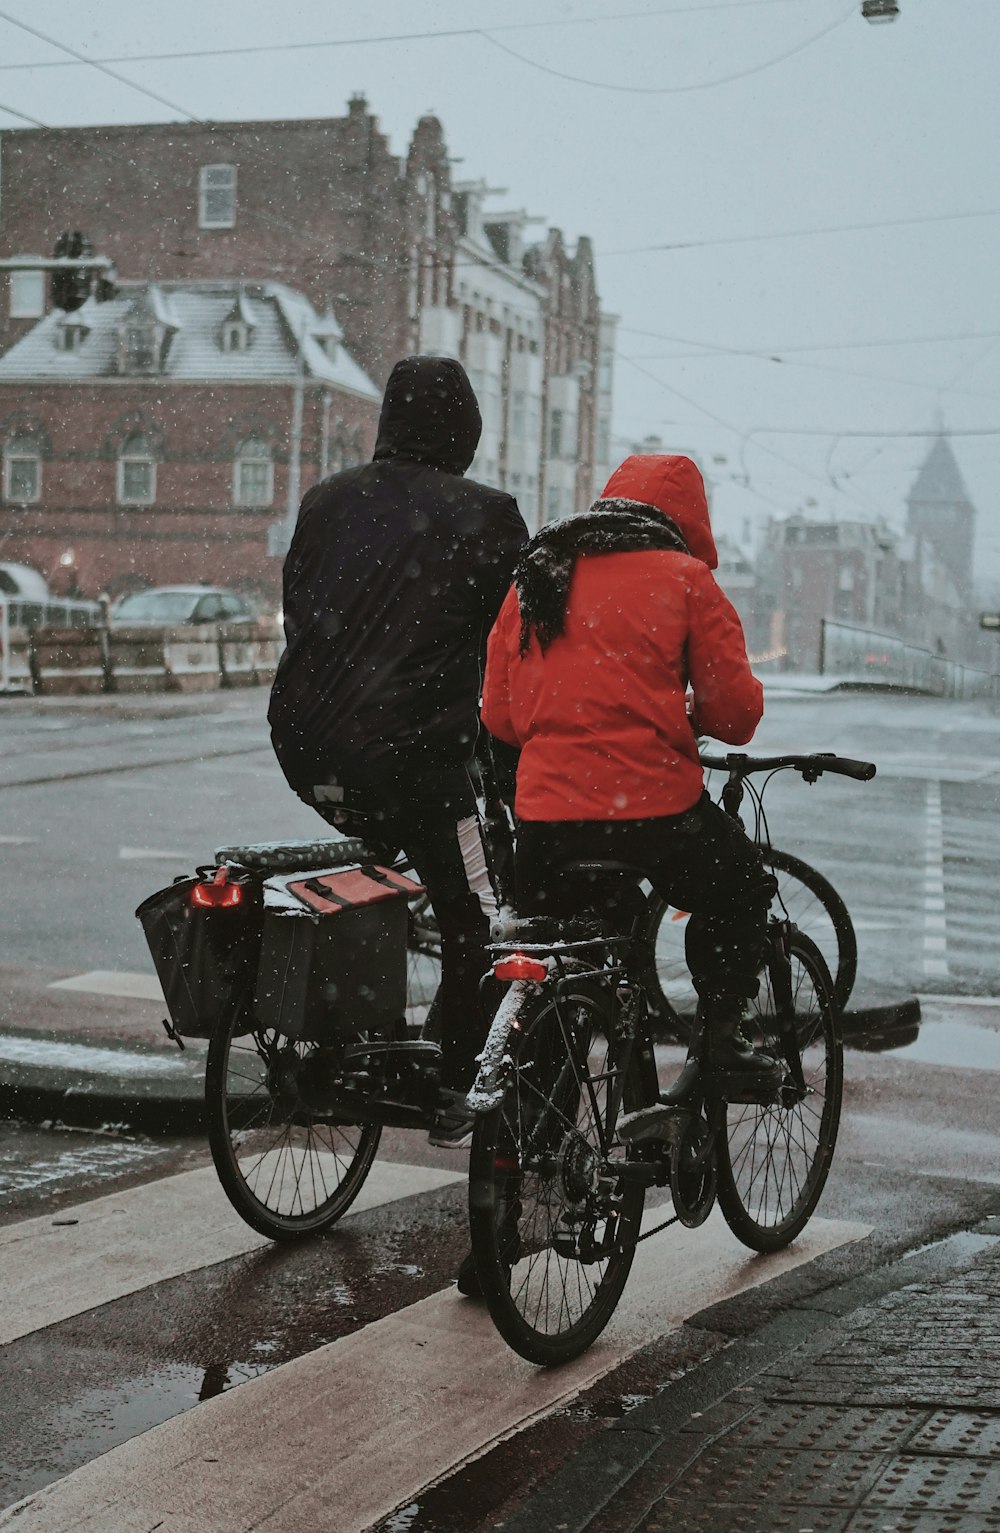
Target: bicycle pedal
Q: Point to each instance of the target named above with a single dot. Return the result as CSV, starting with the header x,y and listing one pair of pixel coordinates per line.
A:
x,y
745,1088
660,1121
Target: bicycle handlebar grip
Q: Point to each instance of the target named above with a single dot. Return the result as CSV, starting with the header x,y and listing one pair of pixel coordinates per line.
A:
x,y
863,771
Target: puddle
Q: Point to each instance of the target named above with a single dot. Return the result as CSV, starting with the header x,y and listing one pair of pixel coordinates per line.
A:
x,y
959,1045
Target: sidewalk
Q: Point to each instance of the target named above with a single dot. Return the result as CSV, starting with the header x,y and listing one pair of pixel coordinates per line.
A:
x,y
871,1408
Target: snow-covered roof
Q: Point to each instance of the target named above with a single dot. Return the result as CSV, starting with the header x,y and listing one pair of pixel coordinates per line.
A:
x,y
280,319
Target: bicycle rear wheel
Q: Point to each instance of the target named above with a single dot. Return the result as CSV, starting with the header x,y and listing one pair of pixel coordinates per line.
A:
x,y
553,1236
811,902
288,1171
773,1161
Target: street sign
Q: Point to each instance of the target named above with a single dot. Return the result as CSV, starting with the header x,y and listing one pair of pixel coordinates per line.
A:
x,y
990,620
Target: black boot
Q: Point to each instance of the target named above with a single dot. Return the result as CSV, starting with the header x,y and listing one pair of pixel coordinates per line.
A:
x,y
737,1070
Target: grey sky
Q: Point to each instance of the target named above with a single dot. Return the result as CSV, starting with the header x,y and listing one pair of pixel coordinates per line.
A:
x,y
865,124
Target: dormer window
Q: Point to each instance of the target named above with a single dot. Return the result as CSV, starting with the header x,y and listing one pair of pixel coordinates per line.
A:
x,y
329,345
139,348
235,336
237,328
71,334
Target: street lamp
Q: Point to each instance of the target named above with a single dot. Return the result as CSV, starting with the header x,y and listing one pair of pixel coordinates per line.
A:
x,y
879,10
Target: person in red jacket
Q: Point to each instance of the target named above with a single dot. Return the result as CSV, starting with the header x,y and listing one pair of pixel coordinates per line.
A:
x,y
613,650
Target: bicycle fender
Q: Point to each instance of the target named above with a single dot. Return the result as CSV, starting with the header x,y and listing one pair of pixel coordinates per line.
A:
x,y
487,1090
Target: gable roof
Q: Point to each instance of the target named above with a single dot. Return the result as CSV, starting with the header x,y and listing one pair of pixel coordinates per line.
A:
x,y
194,312
939,481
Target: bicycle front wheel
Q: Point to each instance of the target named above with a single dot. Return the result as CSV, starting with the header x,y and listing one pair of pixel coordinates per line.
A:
x,y
773,1161
288,1171
809,899
553,1232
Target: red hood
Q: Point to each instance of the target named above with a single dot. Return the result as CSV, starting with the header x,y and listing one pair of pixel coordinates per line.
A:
x,y
674,486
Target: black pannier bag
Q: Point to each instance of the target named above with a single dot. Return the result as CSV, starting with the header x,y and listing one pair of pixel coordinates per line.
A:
x,y
204,934
333,955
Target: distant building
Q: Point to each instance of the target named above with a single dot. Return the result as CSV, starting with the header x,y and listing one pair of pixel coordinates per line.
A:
x,y
859,573
940,513
407,259
163,436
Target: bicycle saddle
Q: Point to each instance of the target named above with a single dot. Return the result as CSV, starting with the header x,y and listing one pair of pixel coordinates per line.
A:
x,y
293,856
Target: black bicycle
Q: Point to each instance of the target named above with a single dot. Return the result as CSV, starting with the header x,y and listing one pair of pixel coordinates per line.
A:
x,y
804,895
573,1126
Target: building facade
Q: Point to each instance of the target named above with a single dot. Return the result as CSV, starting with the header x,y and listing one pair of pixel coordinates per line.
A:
x,y
407,258
163,436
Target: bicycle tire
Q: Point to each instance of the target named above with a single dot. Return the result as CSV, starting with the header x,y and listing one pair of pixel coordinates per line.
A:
x,y
532,1190
288,1172
773,1162
811,902
423,969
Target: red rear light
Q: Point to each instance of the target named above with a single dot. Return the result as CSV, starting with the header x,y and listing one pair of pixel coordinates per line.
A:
x,y
520,966
219,894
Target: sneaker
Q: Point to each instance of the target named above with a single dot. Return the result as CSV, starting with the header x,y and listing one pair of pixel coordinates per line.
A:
x,y
450,1131
468,1278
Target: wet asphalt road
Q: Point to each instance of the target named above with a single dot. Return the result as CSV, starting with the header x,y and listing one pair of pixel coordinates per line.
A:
x,y
916,1157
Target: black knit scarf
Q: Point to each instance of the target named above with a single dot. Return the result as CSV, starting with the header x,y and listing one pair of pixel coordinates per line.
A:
x,y
545,568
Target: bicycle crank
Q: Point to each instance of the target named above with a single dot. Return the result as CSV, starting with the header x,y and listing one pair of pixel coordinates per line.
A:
x,y
693,1174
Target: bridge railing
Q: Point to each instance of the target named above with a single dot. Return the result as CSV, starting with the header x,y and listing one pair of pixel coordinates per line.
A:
x,y
865,656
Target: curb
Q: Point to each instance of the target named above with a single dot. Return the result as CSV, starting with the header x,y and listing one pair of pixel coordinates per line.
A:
x,y
875,1029
576,1495
80,1099
149,1104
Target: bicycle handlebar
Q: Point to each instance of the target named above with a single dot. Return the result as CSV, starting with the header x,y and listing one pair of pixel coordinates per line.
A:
x,y
811,767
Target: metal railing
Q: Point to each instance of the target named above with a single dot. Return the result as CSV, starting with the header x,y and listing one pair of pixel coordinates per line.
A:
x,y
866,656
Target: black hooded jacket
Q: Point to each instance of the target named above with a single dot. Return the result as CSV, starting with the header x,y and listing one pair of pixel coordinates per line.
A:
x,y
395,574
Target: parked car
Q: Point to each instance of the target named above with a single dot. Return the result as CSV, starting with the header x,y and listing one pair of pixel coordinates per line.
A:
x,y
171,606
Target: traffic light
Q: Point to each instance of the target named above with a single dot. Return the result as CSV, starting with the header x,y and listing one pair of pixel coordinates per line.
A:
x,y
70,287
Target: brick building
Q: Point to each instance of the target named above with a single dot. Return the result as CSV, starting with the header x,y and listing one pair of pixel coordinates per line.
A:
x,y
162,436
407,259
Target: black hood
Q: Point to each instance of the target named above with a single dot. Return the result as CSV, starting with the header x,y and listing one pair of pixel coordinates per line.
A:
x,y
429,414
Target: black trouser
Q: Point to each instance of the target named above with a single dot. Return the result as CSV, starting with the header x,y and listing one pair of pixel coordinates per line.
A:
x,y
430,815
701,861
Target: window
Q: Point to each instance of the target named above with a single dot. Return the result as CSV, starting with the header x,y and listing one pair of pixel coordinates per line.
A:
x,y
27,294
555,433
236,336
136,473
71,337
22,471
253,474
217,197
140,348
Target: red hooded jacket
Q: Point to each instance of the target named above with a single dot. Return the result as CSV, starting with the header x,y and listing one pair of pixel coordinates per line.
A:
x,y
601,716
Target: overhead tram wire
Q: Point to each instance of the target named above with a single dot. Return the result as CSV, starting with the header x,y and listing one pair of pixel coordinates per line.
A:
x,y
112,74
396,37
737,351
744,436
671,90
794,234
22,116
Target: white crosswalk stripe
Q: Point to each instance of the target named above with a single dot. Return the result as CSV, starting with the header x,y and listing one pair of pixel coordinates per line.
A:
x,y
411,1396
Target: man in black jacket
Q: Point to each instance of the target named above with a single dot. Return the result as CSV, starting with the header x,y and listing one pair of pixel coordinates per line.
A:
x,y
395,574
